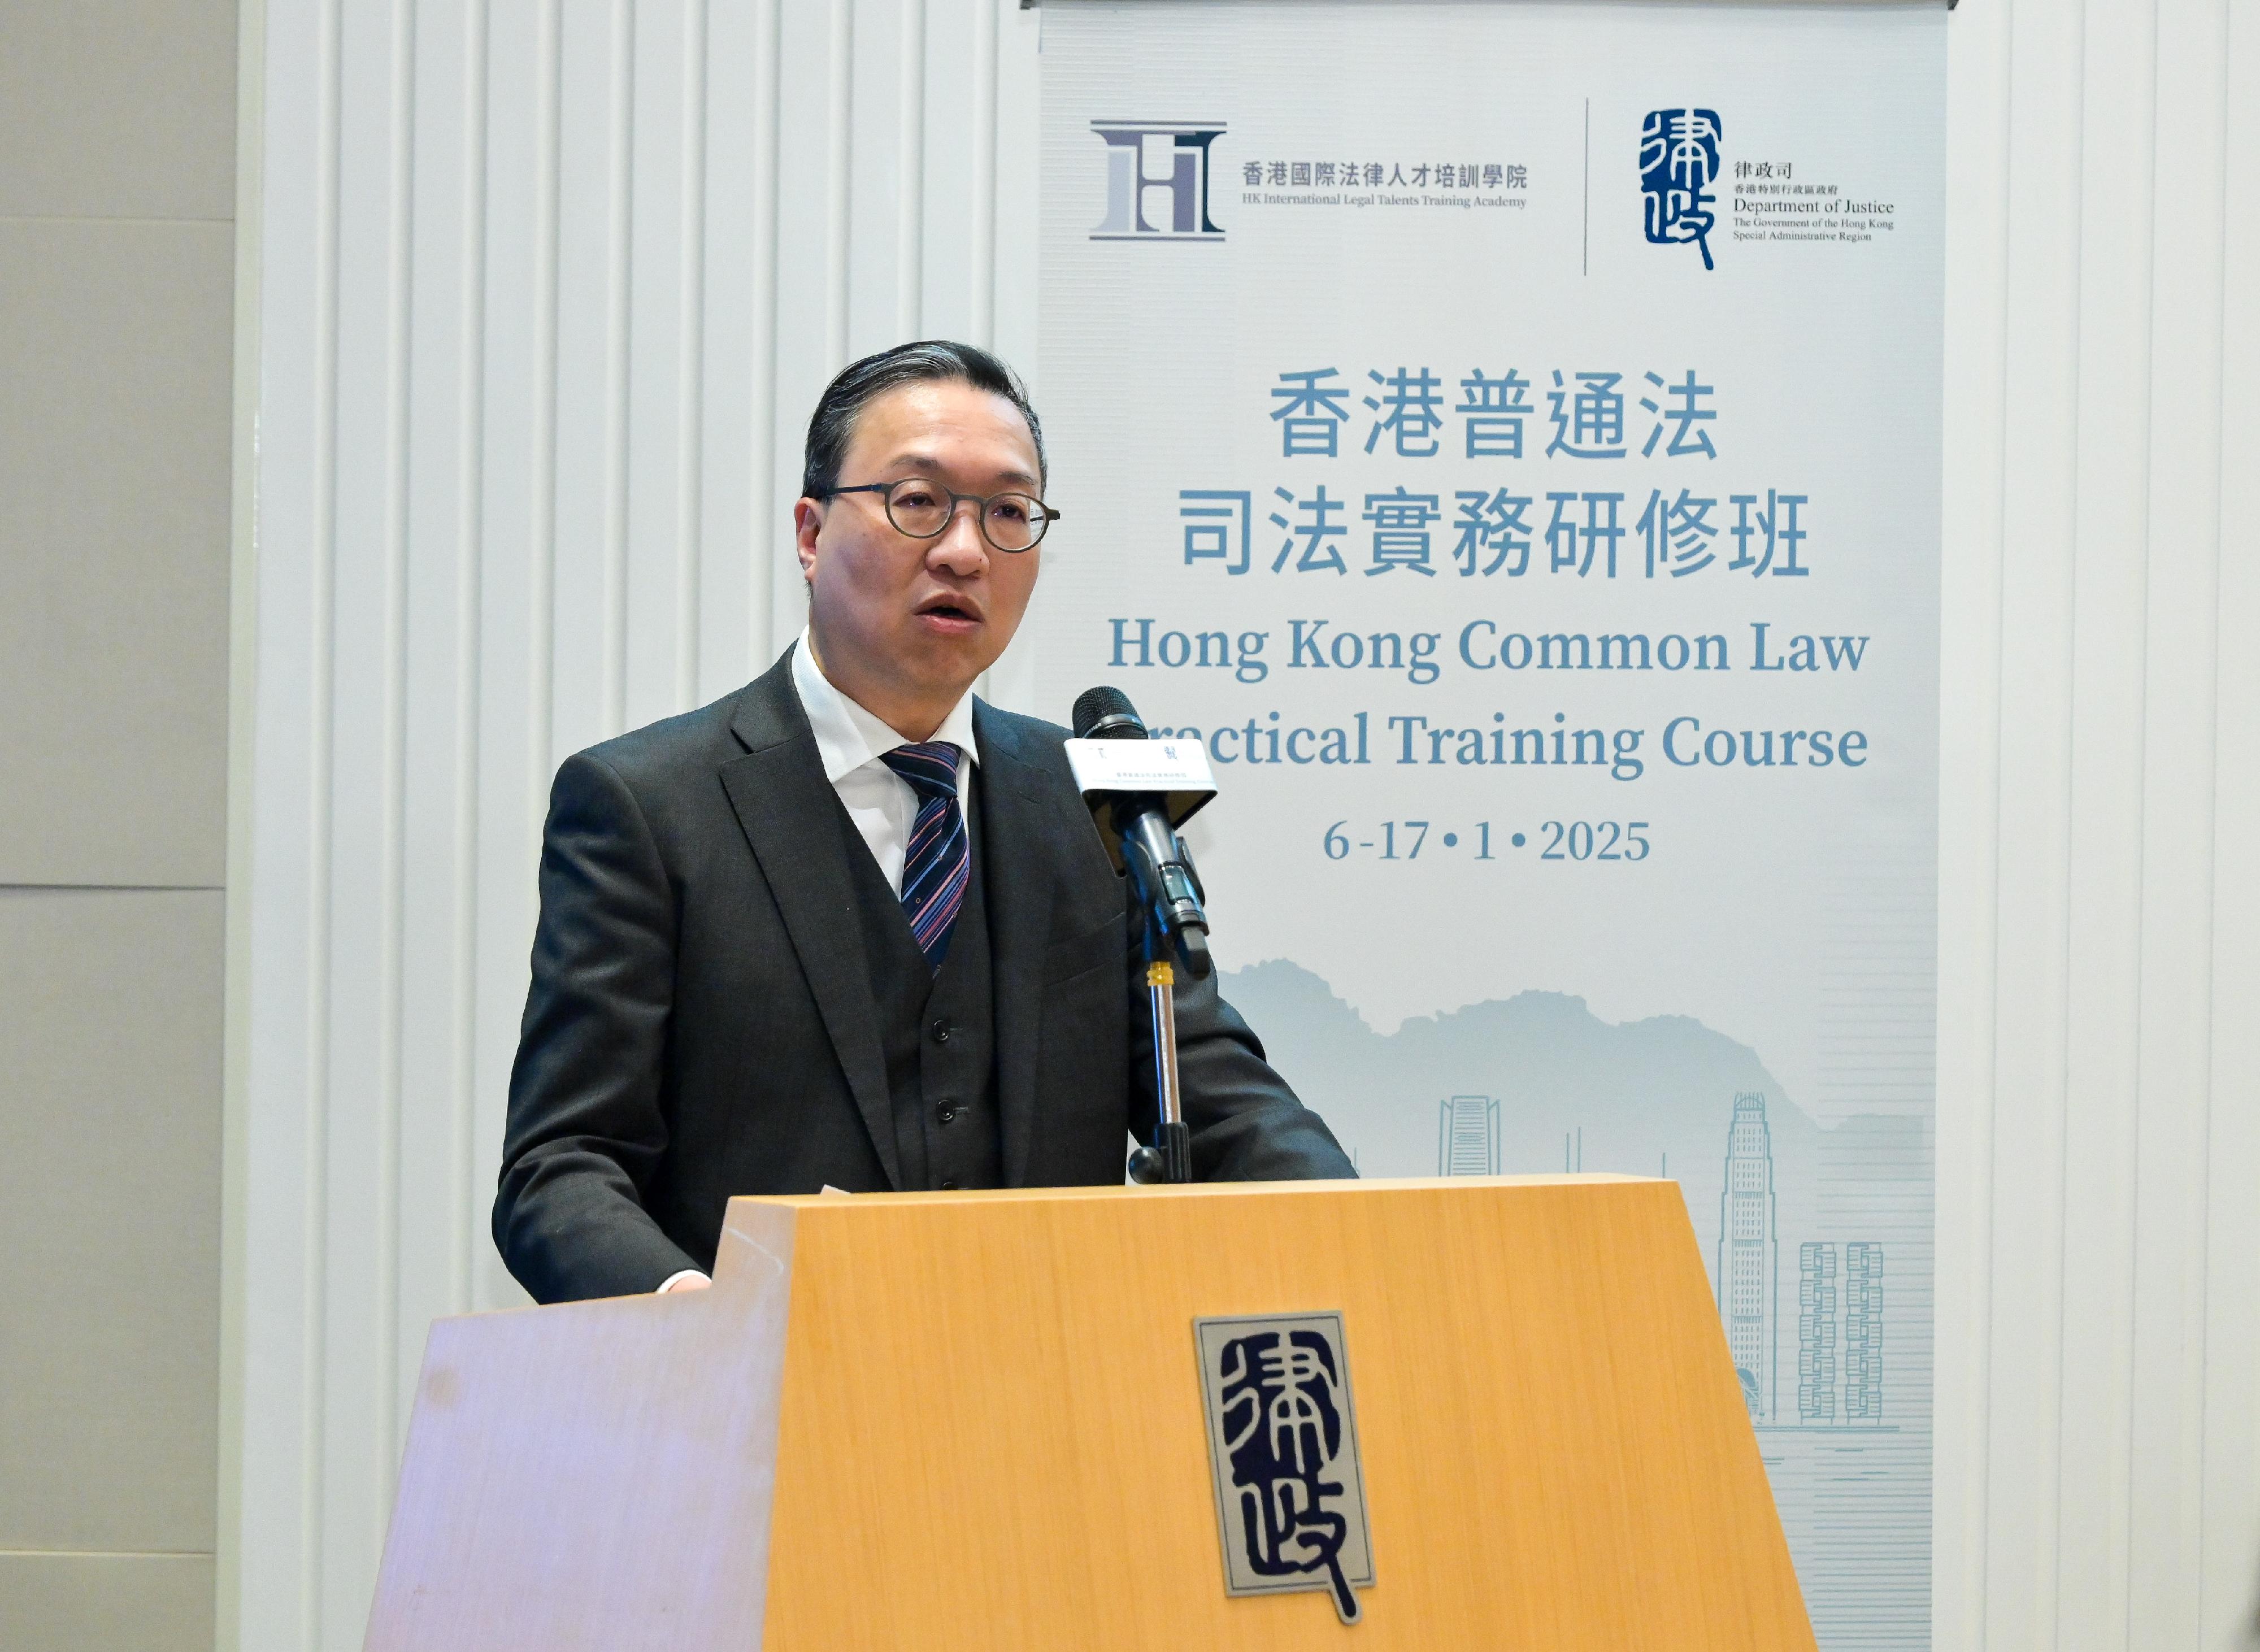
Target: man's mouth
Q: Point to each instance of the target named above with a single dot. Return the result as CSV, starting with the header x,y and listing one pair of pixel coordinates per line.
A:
x,y
949,611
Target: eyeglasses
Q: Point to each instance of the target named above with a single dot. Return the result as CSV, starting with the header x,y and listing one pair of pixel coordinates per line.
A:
x,y
922,510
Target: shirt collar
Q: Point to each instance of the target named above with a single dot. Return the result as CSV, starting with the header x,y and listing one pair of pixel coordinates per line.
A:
x,y
847,736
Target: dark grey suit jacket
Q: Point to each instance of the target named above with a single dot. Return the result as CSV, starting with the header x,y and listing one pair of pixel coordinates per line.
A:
x,y
701,1022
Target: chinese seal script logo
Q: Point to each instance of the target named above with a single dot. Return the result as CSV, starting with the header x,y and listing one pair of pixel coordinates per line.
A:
x,y
1156,181
1678,162
1282,1446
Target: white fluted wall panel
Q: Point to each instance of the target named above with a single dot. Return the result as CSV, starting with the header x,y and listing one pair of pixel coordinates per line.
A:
x,y
549,287
2098,1374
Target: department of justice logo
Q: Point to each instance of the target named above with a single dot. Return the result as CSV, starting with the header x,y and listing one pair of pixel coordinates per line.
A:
x,y
1679,163
1157,180
1283,1447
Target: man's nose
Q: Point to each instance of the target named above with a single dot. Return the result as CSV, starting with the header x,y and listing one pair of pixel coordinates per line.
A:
x,y
960,547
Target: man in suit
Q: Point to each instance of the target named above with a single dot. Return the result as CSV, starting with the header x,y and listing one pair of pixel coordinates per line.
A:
x,y
849,924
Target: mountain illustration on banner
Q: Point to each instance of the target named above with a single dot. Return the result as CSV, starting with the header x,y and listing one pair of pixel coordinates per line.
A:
x,y
1646,1097
1657,1097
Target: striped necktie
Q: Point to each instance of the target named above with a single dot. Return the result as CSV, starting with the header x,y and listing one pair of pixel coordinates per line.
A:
x,y
938,859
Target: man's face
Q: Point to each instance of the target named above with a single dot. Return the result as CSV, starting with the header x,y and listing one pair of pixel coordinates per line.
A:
x,y
904,625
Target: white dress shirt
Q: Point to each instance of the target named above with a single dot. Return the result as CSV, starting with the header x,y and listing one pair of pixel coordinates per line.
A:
x,y
880,803
850,742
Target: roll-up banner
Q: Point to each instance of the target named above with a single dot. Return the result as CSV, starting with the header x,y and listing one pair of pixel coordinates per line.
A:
x,y
1508,435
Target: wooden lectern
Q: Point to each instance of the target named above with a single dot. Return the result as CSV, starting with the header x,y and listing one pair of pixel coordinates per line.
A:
x,y
975,1420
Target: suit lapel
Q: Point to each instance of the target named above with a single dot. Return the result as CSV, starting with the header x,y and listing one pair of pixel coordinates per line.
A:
x,y
791,817
1019,827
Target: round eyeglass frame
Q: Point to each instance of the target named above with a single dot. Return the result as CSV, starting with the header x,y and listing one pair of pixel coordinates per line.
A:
x,y
1040,521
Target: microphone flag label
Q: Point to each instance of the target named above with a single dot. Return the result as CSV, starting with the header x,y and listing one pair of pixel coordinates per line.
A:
x,y
1177,766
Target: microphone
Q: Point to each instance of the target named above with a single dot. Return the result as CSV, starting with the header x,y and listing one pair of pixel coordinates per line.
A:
x,y
1142,787
1144,823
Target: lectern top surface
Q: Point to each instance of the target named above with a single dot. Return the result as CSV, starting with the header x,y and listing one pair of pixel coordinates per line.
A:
x,y
1198,1190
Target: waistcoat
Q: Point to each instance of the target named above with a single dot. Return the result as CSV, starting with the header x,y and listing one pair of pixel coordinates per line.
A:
x,y
938,1028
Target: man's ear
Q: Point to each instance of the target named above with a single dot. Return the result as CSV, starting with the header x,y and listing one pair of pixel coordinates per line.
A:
x,y
807,518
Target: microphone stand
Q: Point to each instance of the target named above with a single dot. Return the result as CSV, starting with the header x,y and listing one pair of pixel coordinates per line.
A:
x,y
1170,1156
1166,927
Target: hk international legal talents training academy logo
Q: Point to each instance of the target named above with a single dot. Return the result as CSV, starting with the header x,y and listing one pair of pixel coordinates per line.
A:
x,y
1157,179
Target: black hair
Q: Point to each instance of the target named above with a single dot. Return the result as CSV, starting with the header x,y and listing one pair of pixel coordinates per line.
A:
x,y
860,382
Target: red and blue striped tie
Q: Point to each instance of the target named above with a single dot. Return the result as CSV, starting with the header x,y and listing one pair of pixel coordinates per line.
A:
x,y
938,859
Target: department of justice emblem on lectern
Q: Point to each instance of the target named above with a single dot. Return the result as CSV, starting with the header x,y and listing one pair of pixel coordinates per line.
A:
x,y
1283,1447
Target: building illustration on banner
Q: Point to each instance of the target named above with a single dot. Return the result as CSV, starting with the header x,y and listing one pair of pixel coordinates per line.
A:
x,y
1748,1287
1816,1333
1469,1144
1749,1254
1863,1339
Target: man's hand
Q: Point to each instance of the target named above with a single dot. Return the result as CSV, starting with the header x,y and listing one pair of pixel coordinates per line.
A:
x,y
686,1282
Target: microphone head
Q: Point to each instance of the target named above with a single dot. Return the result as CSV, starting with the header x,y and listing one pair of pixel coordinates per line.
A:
x,y
1104,713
